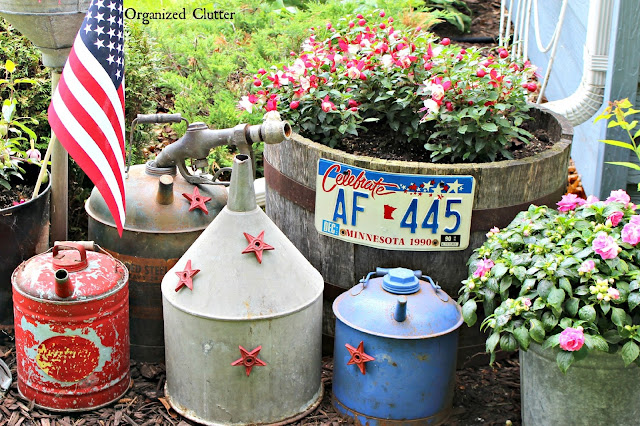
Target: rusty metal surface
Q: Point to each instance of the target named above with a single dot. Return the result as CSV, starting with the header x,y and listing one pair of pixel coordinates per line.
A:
x,y
155,236
72,353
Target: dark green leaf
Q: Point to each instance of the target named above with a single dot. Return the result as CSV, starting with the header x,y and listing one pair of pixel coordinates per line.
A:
x,y
630,352
619,317
549,321
508,342
633,300
556,297
469,312
492,341
612,336
564,360
587,313
596,342
571,306
552,341
522,336
544,288
564,284
499,269
536,330
505,283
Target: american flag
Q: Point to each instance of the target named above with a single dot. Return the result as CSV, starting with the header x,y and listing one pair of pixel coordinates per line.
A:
x,y
87,110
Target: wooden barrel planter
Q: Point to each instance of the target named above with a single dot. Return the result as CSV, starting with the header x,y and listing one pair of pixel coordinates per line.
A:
x,y
503,188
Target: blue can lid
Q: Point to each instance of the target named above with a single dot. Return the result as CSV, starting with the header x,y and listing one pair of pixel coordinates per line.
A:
x,y
401,281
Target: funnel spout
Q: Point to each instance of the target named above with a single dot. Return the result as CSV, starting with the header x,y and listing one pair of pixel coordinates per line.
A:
x,y
242,196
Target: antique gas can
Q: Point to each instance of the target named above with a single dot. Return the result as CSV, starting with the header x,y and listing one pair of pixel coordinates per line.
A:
x,y
71,321
160,226
395,350
243,315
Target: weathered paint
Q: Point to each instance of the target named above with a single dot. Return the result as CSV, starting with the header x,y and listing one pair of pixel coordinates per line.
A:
x,y
409,364
155,235
72,353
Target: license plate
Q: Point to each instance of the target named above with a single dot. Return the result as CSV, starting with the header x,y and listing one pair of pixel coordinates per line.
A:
x,y
393,211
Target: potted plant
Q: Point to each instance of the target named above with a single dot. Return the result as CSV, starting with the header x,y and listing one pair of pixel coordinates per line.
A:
x,y
364,83
563,286
24,219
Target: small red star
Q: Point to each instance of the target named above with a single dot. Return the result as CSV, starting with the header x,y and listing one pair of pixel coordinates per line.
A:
x,y
186,276
358,356
197,200
249,359
256,245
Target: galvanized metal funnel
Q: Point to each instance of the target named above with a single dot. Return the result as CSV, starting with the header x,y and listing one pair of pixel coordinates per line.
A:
x,y
51,25
243,319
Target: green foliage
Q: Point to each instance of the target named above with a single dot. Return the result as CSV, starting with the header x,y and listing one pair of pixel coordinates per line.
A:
x,y
32,99
14,130
617,113
458,103
455,12
567,278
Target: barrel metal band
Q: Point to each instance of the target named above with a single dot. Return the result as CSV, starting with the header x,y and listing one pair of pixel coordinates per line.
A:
x,y
481,219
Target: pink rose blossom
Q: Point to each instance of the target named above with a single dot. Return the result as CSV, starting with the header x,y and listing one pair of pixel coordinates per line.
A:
x,y
587,266
526,301
619,196
482,267
631,233
613,293
605,246
571,339
615,218
635,219
591,199
569,202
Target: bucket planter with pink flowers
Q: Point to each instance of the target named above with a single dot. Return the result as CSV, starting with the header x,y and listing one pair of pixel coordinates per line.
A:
x,y
380,100
563,286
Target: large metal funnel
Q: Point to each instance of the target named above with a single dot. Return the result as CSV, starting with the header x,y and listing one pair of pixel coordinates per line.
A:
x,y
51,25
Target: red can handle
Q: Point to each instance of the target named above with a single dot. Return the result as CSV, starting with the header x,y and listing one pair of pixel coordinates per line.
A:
x,y
72,261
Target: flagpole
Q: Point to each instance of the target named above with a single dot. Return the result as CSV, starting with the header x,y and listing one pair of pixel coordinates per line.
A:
x,y
59,179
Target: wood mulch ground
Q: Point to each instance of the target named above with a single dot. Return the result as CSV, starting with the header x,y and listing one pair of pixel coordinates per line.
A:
x,y
483,396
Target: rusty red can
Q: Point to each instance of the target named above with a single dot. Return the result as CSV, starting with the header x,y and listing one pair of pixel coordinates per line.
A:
x,y
71,313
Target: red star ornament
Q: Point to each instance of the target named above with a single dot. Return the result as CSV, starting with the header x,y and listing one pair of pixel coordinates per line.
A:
x,y
186,277
197,201
358,356
256,245
249,359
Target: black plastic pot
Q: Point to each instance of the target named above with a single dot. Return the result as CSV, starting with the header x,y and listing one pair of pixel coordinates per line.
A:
x,y
22,227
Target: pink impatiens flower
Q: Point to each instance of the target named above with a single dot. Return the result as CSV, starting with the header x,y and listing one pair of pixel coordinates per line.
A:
x,y
587,266
327,105
615,218
482,267
619,196
571,339
631,232
605,246
569,202
613,293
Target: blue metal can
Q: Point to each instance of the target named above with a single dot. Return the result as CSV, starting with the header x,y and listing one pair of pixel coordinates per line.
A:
x,y
395,350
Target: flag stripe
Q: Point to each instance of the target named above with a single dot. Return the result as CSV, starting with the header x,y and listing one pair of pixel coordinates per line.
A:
x,y
96,158
110,149
87,89
99,75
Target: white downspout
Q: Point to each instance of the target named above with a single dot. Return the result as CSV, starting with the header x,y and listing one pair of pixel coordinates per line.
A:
x,y
586,101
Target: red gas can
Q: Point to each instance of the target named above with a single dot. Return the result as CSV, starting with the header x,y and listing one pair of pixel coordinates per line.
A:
x,y
71,313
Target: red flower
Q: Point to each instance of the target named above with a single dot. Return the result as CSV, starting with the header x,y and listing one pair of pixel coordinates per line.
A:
x,y
481,73
445,41
294,104
327,105
272,104
262,71
257,83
